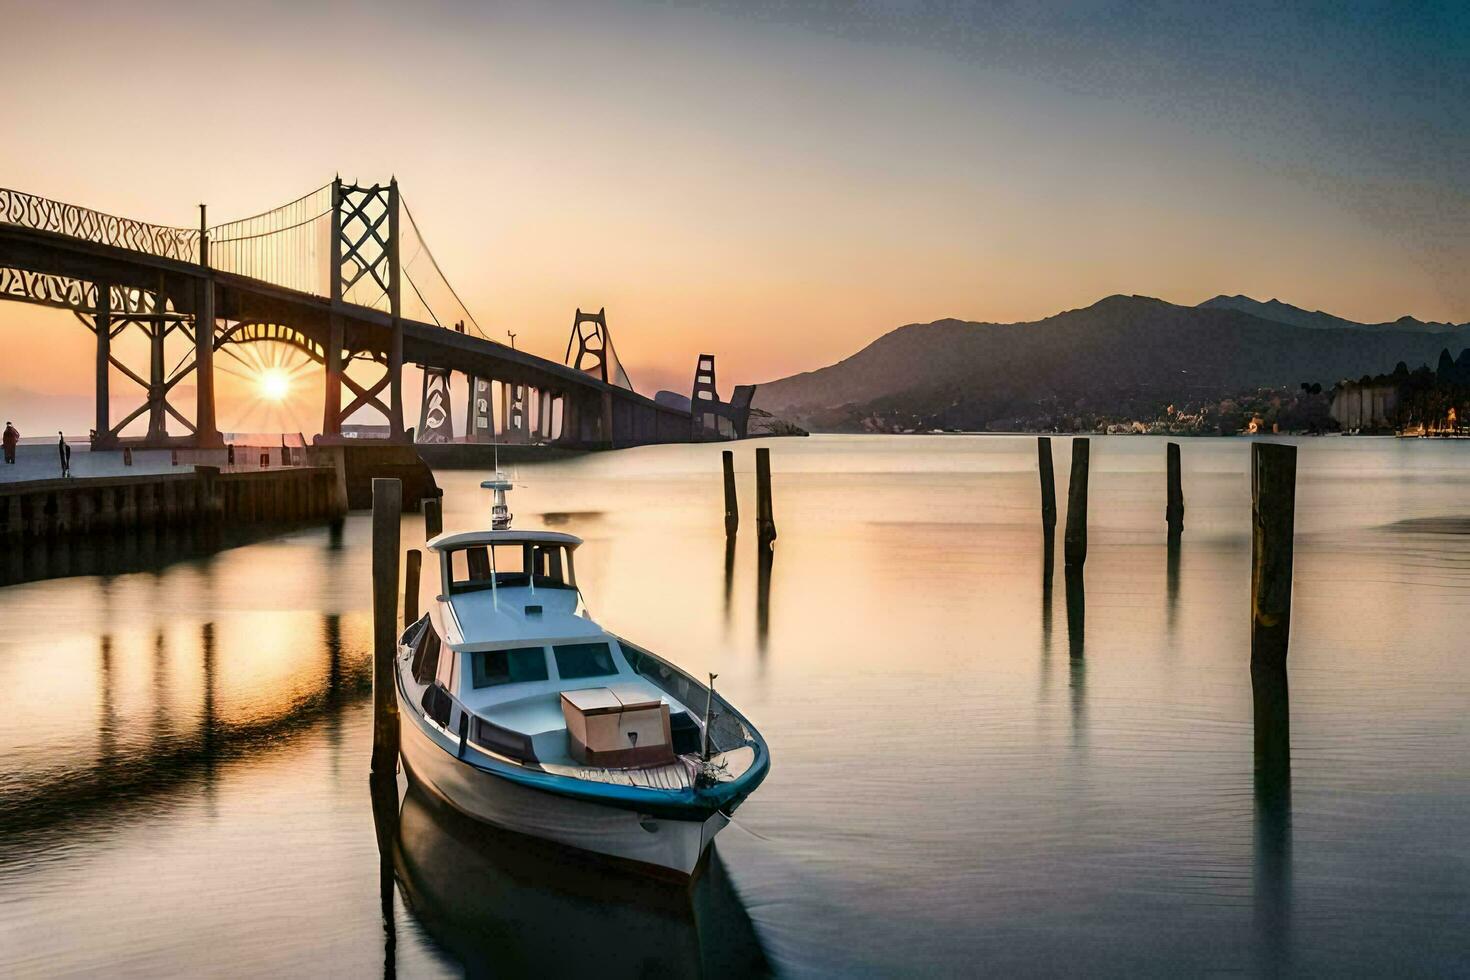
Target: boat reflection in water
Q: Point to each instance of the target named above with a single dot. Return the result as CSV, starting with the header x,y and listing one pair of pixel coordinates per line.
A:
x,y
507,904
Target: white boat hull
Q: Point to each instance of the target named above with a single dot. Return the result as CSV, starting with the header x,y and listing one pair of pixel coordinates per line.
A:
x,y
670,845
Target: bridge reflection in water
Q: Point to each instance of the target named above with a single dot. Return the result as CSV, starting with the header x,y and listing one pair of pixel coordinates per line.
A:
x,y
156,737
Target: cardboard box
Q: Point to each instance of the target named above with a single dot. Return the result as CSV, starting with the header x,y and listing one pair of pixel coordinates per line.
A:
x,y
617,728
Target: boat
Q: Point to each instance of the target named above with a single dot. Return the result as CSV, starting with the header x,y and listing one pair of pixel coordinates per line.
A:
x,y
518,709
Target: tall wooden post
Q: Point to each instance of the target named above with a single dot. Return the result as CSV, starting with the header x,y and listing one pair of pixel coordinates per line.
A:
x,y
1074,548
433,508
103,322
332,403
206,428
1273,520
732,506
412,571
1048,483
387,513
395,311
1174,509
765,519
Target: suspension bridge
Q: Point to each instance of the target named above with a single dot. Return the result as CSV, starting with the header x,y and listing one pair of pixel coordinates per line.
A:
x,y
343,275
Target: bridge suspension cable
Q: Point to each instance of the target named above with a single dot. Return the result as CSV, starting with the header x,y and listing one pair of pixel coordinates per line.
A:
x,y
431,288
288,246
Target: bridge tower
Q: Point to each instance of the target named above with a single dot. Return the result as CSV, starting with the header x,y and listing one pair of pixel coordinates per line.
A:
x,y
589,334
705,394
706,409
365,270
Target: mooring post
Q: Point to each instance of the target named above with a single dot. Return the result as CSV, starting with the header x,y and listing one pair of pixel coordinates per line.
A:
x,y
1174,510
1273,520
1075,543
1048,483
732,508
387,513
413,566
764,517
433,508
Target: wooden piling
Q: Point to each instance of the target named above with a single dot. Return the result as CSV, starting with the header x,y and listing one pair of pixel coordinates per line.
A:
x,y
1174,509
764,517
1075,542
433,508
412,569
1273,519
732,507
1048,482
387,514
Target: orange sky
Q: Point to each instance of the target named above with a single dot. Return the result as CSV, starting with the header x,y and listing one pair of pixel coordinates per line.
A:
x,y
776,193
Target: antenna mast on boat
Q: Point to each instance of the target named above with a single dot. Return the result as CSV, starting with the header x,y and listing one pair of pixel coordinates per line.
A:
x,y
500,515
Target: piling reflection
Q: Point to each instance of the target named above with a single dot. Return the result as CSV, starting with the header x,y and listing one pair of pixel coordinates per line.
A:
x,y
38,559
1048,568
729,574
1272,877
1048,564
1076,628
766,557
510,905
1172,575
383,789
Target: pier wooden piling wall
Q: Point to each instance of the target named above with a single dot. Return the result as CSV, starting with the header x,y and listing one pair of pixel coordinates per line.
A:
x,y
60,508
387,518
765,517
1273,525
1074,544
732,506
1048,484
1174,509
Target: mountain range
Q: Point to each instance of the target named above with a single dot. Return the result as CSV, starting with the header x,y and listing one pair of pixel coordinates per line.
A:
x,y
1122,354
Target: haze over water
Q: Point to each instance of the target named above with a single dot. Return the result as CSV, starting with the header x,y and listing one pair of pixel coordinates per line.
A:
x,y
969,772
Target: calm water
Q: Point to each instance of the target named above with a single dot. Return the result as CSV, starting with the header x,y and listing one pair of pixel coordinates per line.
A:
x,y
971,772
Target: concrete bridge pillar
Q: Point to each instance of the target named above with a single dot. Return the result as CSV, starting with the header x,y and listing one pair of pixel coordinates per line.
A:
x,y
206,429
103,323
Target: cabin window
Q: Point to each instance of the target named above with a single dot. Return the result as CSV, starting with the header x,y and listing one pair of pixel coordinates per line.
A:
x,y
437,705
470,568
494,667
575,660
503,740
426,655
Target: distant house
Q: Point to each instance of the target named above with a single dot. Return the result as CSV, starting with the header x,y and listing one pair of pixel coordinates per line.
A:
x,y
1365,405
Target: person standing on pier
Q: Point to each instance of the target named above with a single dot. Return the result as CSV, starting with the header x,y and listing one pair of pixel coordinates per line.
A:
x,y
12,436
64,451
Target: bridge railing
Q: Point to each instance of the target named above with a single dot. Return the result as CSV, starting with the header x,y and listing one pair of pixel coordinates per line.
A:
x,y
44,214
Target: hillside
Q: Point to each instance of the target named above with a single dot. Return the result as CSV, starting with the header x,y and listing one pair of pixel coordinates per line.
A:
x,y
1275,310
1102,359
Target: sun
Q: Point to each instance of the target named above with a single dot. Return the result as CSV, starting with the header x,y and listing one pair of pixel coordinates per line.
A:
x,y
275,384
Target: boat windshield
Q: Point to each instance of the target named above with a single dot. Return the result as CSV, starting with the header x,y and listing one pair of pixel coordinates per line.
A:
x,y
510,564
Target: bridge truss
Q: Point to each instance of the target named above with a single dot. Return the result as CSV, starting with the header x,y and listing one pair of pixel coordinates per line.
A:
x,y
342,274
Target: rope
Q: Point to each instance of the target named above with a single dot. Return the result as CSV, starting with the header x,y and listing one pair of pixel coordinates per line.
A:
x,y
280,207
265,234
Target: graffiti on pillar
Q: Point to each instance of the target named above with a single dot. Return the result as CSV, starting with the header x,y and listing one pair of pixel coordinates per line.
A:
x,y
480,419
513,411
435,424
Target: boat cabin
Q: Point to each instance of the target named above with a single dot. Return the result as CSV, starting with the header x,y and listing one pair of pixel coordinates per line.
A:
x,y
510,649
